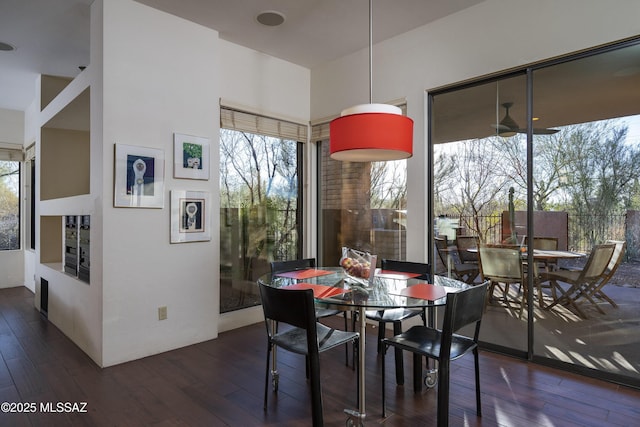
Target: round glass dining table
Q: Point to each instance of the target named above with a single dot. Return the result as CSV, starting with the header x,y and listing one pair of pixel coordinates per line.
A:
x,y
334,289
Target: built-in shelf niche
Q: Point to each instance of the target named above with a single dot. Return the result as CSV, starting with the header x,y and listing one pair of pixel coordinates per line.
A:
x,y
65,151
51,239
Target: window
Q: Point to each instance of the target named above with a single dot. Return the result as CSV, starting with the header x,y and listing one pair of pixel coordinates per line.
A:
x,y
260,203
361,205
9,205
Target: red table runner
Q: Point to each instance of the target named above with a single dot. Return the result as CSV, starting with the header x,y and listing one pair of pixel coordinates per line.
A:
x,y
304,274
319,291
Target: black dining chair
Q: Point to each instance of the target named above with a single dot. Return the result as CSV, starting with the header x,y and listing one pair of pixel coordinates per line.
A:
x,y
302,264
463,308
396,316
302,334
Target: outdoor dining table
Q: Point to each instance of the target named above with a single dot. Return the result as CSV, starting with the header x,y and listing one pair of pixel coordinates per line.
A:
x,y
334,289
545,255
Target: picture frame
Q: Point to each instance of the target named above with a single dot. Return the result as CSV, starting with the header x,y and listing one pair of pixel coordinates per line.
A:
x,y
191,157
138,177
190,216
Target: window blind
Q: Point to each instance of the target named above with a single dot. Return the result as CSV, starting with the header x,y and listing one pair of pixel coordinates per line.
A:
x,y
246,121
30,153
11,155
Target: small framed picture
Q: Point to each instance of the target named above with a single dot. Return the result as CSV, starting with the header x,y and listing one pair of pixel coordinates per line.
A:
x,y
190,216
190,157
139,177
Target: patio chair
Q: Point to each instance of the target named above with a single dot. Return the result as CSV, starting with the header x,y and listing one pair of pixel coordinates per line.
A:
x,y
581,282
504,266
616,260
548,244
301,264
463,308
463,244
449,257
305,336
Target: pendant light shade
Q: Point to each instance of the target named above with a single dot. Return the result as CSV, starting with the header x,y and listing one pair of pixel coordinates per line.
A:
x,y
371,133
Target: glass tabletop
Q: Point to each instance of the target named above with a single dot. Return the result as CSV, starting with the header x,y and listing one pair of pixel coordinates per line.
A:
x,y
333,288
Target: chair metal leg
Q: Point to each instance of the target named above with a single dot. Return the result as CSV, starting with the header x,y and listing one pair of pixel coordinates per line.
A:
x,y
443,393
477,366
316,390
397,330
266,378
417,373
384,408
381,334
346,346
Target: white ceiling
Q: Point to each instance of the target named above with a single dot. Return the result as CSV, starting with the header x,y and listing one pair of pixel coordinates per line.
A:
x,y
52,36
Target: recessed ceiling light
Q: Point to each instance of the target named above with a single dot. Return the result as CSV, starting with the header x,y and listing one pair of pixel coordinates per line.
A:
x,y
6,47
270,18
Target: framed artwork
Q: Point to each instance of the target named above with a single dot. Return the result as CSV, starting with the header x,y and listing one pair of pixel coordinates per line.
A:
x,y
190,157
139,177
190,216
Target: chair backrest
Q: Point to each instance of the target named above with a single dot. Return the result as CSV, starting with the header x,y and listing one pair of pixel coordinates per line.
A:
x,y
440,243
291,265
500,263
446,252
618,254
291,306
464,243
408,267
463,308
597,262
544,243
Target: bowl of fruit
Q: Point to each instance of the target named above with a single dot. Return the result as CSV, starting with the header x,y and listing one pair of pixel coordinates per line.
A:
x,y
358,265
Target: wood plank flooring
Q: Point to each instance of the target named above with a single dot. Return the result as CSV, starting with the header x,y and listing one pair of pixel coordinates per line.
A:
x,y
221,383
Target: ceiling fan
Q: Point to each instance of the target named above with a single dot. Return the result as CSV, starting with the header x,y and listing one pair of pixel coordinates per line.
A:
x,y
508,127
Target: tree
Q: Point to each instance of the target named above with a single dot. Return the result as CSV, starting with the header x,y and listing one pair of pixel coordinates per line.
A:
x,y
389,185
9,205
550,162
473,187
259,178
602,168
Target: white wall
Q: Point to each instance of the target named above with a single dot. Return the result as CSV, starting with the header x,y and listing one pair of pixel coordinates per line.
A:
x,y
270,85
146,83
492,36
11,135
161,76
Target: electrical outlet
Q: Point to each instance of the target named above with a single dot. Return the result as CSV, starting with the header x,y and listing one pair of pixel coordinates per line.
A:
x,y
162,313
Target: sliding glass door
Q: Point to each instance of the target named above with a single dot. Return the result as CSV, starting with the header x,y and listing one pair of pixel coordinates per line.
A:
x,y
588,171
549,156
480,192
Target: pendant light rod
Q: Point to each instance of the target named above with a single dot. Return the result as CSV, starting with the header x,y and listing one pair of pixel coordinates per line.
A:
x,y
371,132
370,51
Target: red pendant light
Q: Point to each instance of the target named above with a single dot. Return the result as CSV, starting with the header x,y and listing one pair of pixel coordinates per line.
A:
x,y
371,132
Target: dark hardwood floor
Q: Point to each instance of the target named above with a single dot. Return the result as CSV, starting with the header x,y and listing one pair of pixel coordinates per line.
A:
x,y
220,383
